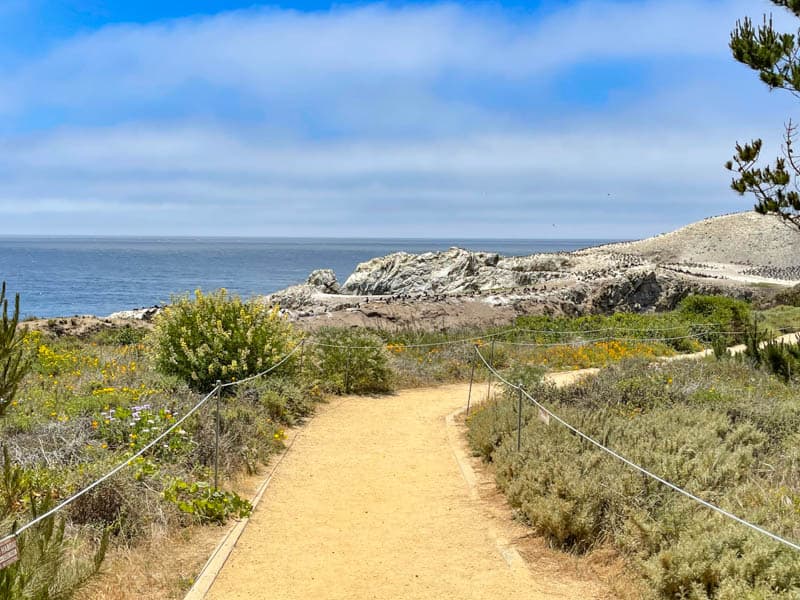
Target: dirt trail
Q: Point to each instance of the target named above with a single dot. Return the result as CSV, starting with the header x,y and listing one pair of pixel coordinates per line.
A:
x,y
378,499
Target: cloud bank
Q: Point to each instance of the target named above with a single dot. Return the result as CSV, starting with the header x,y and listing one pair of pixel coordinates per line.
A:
x,y
595,119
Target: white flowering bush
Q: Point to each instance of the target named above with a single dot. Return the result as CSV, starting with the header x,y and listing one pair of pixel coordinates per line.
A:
x,y
220,336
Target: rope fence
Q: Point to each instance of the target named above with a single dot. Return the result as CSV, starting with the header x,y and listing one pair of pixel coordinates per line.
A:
x,y
493,338
551,415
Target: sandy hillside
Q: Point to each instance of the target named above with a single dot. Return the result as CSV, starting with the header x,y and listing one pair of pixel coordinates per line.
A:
x,y
742,238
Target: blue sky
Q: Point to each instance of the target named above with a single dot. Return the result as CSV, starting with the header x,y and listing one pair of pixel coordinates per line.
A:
x,y
594,118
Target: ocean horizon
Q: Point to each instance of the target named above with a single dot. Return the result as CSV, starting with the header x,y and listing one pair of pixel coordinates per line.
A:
x,y
60,276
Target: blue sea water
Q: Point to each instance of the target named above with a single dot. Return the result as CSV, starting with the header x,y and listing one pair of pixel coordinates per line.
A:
x,y
64,276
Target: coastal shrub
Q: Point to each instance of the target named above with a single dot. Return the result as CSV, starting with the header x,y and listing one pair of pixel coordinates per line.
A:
x,y
696,318
719,345
678,332
779,320
779,357
253,424
419,358
724,430
728,315
286,400
788,297
350,361
219,336
128,506
47,568
203,502
126,335
14,362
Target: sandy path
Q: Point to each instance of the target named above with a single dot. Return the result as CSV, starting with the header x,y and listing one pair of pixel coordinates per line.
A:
x,y
372,503
379,498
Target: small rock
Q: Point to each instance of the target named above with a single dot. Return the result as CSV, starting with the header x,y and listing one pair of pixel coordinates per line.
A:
x,y
324,280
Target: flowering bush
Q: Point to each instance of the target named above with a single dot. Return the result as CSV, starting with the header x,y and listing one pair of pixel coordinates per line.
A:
x,y
217,336
133,427
598,354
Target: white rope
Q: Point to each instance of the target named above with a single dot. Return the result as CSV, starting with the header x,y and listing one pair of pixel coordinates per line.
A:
x,y
633,465
420,345
607,339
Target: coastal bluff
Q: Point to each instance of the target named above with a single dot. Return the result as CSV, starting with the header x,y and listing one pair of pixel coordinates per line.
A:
x,y
745,255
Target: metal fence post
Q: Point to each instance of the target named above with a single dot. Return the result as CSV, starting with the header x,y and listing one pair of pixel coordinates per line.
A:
x,y
491,371
347,371
216,438
471,378
519,420
302,355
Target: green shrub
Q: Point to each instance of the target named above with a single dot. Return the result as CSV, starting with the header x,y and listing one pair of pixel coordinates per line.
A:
x,y
208,505
347,361
14,362
252,424
48,568
217,336
780,319
724,430
778,357
127,335
674,326
788,297
528,376
14,485
727,314
719,345
287,401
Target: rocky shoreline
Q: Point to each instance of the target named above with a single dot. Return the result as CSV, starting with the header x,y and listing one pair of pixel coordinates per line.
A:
x,y
744,255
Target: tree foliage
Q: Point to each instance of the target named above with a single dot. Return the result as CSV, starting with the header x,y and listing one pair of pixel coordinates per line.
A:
x,y
776,58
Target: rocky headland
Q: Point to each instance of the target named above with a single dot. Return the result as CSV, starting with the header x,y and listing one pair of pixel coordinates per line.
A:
x,y
745,255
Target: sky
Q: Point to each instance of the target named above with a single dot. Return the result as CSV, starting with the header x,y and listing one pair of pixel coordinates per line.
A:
x,y
508,119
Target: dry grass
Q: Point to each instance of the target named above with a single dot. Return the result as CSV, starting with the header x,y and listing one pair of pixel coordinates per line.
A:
x,y
165,565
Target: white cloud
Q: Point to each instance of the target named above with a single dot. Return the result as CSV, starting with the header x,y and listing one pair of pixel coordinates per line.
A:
x,y
381,120
348,52
466,181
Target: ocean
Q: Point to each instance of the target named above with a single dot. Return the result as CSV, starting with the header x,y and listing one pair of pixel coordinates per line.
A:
x,y
65,276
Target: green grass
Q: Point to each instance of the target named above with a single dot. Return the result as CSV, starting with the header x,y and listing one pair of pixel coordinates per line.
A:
x,y
780,319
